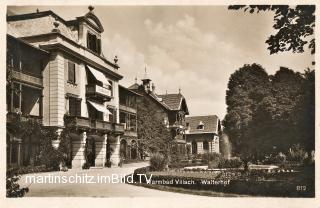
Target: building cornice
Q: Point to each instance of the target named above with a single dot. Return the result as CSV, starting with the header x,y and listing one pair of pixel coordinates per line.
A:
x,y
62,47
73,43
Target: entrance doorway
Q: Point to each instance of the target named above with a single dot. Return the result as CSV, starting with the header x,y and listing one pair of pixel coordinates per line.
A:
x,y
90,151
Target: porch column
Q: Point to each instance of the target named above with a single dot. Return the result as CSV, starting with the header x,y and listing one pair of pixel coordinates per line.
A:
x,y
56,142
19,152
78,151
101,150
115,150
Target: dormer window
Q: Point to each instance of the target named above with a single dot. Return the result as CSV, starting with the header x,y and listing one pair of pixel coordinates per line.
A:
x,y
200,126
93,43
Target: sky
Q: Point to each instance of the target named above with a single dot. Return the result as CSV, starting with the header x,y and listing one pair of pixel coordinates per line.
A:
x,y
195,48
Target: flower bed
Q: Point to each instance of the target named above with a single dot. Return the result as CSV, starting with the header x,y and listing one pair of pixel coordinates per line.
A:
x,y
255,183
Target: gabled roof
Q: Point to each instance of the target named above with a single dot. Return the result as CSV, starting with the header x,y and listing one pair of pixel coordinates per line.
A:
x,y
135,86
129,90
211,124
174,101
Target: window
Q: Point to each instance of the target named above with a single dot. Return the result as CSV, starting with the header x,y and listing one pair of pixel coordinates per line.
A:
x,y
122,117
206,145
74,106
200,126
112,115
93,43
71,72
133,123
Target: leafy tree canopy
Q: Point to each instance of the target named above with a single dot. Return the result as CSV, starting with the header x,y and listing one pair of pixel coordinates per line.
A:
x,y
294,26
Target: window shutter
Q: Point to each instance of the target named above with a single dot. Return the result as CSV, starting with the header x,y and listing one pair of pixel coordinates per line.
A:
x,y
71,106
78,107
71,72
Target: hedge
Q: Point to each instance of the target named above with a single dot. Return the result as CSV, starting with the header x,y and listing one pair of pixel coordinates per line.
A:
x,y
30,169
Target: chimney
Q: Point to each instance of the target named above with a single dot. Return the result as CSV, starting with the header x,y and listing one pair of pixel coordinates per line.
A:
x,y
153,87
146,81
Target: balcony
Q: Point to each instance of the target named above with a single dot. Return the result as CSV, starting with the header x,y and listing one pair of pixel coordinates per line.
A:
x,y
127,109
118,128
27,78
98,91
130,133
86,123
101,125
177,124
78,122
15,117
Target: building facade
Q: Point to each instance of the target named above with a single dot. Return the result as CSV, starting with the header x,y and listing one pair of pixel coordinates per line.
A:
x,y
128,117
202,134
170,108
60,76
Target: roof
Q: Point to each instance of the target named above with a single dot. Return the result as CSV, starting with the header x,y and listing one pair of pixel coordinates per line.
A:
x,y
174,101
12,38
129,90
211,124
43,22
135,86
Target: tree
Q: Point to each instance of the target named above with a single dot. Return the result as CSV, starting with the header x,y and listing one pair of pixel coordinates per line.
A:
x,y
269,114
154,137
246,89
305,112
294,26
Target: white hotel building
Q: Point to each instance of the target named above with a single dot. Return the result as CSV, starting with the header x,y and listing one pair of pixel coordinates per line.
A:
x,y
60,75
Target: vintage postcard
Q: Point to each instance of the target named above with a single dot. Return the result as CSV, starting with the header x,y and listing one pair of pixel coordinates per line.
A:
x,y
163,104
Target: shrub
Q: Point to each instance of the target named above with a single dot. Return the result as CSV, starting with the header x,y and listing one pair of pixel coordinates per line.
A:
x,y
12,186
297,154
158,162
210,156
86,165
213,159
231,163
30,169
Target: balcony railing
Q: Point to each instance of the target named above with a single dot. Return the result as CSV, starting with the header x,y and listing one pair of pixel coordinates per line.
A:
x,y
177,124
86,123
14,117
79,122
127,109
28,78
130,133
102,125
118,128
96,90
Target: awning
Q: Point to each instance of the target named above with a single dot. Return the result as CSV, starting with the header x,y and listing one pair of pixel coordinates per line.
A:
x,y
99,107
99,76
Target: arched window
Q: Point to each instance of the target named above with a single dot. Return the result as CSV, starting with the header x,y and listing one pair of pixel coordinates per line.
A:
x,y
93,43
194,147
134,150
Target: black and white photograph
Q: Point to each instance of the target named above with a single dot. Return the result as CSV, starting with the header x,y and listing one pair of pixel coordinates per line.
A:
x,y
189,102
